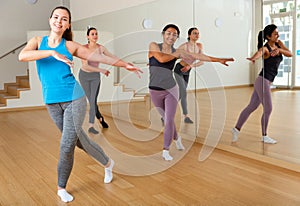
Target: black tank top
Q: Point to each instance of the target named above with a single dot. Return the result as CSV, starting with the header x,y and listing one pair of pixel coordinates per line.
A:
x,y
271,64
161,74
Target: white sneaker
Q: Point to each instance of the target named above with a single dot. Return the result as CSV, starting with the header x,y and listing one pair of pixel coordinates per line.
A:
x,y
179,144
235,134
166,155
268,140
108,175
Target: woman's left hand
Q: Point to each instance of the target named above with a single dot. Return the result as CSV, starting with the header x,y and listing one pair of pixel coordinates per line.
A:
x,y
275,52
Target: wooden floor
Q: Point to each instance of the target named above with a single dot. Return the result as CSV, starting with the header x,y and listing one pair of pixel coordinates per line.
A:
x,y
29,144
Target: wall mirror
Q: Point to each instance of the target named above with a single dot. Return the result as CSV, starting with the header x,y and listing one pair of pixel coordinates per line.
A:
x,y
216,94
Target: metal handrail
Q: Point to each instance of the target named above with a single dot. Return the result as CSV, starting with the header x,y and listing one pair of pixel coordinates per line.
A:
x,y
13,50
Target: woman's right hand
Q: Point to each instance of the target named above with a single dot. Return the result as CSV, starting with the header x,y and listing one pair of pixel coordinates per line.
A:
x,y
63,58
252,60
225,60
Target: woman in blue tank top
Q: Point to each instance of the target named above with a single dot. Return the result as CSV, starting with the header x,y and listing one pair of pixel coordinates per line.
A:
x,y
272,53
63,95
162,86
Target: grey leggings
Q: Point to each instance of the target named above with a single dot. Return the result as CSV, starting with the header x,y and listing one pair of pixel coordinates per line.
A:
x,y
90,82
261,95
182,80
69,118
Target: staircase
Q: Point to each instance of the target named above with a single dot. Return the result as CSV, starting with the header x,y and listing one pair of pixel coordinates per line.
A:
x,y
136,96
12,90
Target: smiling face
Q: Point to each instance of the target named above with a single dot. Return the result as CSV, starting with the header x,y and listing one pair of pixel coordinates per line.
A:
x,y
274,36
170,36
59,21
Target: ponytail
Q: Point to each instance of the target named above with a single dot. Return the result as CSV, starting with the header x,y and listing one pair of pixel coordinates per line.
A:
x,y
260,40
68,34
262,35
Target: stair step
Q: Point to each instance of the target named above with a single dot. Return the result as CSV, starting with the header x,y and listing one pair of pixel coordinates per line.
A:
x,y
8,96
12,90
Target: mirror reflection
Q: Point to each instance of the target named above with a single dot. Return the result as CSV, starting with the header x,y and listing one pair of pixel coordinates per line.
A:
x,y
215,94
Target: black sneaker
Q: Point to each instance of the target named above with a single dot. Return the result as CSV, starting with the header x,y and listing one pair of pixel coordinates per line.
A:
x,y
103,123
188,120
93,131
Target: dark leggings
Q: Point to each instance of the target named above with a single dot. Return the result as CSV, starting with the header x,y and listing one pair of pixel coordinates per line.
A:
x,y
69,118
182,80
261,95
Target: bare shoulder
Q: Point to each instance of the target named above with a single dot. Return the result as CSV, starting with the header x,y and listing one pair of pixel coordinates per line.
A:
x,y
153,46
33,43
199,45
183,46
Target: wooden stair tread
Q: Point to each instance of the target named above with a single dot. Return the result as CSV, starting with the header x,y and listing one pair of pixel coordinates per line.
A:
x,y
12,90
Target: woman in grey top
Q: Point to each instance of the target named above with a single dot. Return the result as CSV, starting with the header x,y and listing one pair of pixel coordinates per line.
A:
x,y
163,90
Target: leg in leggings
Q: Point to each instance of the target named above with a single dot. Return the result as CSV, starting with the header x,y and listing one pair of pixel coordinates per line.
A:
x,y
182,92
91,84
69,118
98,114
261,94
166,103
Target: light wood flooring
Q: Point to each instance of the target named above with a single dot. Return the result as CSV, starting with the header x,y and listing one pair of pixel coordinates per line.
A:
x,y
29,148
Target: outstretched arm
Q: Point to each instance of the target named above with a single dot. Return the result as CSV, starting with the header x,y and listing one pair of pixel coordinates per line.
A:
x,y
203,57
89,68
84,53
262,51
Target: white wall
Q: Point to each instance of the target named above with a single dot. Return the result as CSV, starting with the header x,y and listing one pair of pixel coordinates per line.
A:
x,y
85,9
232,39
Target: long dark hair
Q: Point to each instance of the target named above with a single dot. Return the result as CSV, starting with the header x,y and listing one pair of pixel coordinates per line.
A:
x,y
262,35
190,32
68,35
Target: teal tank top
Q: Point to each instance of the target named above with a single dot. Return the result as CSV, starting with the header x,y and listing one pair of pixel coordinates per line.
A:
x,y
58,82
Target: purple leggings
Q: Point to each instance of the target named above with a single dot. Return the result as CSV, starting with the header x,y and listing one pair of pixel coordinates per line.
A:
x,y
166,102
261,95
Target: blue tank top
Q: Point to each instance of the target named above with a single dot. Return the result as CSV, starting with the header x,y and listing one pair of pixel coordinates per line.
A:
x,y
58,82
161,74
271,64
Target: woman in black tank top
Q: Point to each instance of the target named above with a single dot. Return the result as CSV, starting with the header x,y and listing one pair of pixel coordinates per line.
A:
x,y
272,53
163,90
